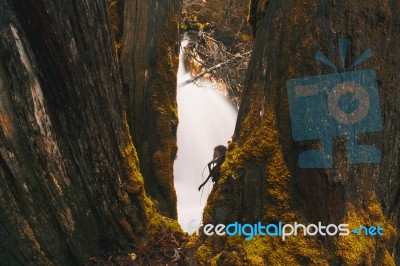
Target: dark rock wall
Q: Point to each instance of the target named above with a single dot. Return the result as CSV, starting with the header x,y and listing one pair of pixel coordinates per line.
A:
x,y
70,185
149,59
288,35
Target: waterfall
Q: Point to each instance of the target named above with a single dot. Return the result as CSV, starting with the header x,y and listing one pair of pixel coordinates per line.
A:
x,y
206,119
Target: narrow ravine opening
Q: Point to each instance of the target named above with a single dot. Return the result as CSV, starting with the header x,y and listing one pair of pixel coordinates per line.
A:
x,y
206,119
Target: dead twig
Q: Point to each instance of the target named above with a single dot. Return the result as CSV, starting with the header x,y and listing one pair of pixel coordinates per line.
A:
x,y
208,70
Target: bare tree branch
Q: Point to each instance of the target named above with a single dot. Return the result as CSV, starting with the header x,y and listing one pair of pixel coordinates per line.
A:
x,y
201,74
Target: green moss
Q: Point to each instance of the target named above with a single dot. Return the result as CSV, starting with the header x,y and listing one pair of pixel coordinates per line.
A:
x,y
232,258
355,249
190,22
192,242
255,260
204,254
295,250
153,222
246,38
259,140
164,102
135,183
158,223
388,259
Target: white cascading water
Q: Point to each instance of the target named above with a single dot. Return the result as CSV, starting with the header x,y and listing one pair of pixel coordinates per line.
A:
x,y
206,119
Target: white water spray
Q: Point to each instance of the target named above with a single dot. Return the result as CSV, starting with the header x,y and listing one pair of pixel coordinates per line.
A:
x,y
206,119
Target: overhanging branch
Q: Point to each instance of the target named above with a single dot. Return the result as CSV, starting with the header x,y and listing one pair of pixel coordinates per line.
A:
x,y
208,70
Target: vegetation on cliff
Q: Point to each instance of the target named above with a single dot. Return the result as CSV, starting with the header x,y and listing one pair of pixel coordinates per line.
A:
x,y
221,42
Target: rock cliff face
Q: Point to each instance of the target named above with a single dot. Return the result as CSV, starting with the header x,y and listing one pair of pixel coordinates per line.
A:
x,y
149,59
262,180
71,186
